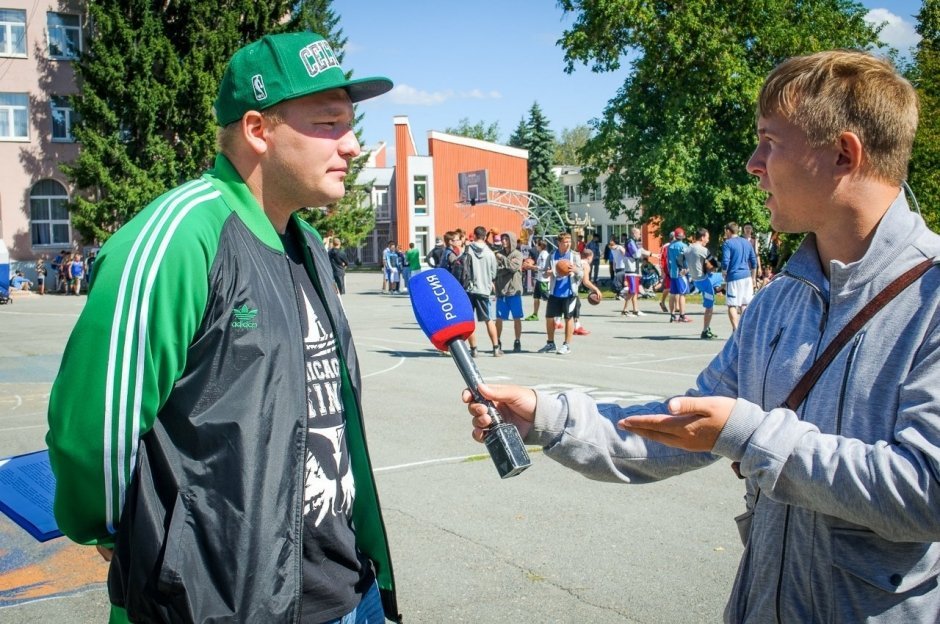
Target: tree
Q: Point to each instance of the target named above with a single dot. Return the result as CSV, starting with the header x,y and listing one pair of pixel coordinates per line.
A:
x,y
568,148
479,130
924,175
520,136
540,142
148,77
678,133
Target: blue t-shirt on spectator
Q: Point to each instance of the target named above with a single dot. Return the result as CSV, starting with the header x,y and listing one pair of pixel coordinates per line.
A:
x,y
737,258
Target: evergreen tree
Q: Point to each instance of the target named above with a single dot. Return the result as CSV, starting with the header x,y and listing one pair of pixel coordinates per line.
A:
x,y
540,141
679,131
520,136
149,76
924,176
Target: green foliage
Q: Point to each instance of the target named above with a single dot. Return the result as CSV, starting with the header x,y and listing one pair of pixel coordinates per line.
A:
x,y
569,146
148,76
924,175
520,136
678,133
479,130
539,140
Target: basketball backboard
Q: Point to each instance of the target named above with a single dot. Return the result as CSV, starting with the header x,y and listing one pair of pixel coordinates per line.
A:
x,y
472,187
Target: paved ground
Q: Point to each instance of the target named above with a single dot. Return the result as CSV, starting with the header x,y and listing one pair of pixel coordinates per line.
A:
x,y
548,546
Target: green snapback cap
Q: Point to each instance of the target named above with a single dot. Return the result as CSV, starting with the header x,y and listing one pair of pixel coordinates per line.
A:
x,y
282,67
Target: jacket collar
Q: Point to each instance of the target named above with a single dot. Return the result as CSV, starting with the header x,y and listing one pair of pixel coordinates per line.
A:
x,y
896,231
224,177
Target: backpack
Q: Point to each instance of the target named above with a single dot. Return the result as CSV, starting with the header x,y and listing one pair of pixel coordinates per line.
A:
x,y
462,268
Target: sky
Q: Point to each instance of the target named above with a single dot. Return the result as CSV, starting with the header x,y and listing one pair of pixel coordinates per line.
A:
x,y
489,60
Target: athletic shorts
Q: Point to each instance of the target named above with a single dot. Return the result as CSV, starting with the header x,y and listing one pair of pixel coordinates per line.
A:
x,y
481,304
678,286
561,306
541,291
631,283
707,286
739,292
510,306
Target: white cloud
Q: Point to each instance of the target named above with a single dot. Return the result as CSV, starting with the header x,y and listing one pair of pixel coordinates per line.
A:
x,y
406,94
896,33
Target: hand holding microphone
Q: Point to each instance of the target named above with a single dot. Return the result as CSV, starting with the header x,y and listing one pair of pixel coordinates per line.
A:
x,y
444,313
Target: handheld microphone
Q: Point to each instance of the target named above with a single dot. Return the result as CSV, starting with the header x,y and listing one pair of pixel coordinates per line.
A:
x,y
445,314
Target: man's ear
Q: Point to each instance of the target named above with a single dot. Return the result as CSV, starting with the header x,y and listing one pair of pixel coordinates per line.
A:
x,y
253,126
849,156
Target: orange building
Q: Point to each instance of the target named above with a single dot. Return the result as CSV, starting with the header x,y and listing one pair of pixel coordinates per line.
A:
x,y
425,187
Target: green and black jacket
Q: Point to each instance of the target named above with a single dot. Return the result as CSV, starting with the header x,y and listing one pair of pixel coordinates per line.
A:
x,y
177,423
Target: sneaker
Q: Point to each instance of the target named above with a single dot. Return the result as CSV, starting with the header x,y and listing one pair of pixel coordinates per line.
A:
x,y
559,325
708,334
473,351
673,318
531,317
516,347
564,349
580,331
639,313
548,348
498,351
684,319
662,306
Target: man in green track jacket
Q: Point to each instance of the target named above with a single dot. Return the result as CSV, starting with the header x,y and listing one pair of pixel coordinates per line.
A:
x,y
213,446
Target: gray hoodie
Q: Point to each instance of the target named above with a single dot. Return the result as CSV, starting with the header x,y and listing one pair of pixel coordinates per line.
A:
x,y
842,521
484,267
508,269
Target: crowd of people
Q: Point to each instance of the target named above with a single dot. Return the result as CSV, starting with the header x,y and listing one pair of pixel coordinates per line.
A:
x,y
530,268
67,273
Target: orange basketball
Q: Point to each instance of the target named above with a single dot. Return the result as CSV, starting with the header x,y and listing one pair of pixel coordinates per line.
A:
x,y
563,268
594,298
528,264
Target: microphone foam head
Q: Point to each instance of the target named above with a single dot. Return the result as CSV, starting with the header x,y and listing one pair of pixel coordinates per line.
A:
x,y
441,306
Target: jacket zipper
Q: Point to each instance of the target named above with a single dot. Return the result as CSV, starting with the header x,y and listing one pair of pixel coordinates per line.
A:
x,y
773,350
824,319
845,381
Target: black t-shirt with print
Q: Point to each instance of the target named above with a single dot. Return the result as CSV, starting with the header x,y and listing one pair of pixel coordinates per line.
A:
x,y
335,574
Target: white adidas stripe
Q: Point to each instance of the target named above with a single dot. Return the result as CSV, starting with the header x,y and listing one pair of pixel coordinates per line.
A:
x,y
168,205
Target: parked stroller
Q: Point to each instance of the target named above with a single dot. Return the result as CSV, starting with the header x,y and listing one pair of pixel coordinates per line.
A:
x,y
5,296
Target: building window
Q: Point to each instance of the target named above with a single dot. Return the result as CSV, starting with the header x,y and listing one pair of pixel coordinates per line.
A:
x,y
421,195
14,116
570,193
49,214
12,32
65,35
380,201
62,119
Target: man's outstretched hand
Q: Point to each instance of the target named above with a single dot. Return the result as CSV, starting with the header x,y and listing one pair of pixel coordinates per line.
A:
x,y
693,423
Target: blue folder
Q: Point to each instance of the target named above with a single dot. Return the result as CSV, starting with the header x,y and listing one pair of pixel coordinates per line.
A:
x,y
27,489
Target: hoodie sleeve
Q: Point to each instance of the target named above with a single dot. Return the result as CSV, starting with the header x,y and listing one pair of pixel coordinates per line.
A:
x,y
582,435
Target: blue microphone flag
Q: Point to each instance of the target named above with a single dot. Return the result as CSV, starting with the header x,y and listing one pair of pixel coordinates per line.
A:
x,y
441,307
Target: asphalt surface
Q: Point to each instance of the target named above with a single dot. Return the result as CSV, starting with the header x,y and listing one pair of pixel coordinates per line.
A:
x,y
547,546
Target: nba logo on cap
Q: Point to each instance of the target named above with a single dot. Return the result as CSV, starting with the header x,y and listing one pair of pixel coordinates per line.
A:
x,y
257,83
